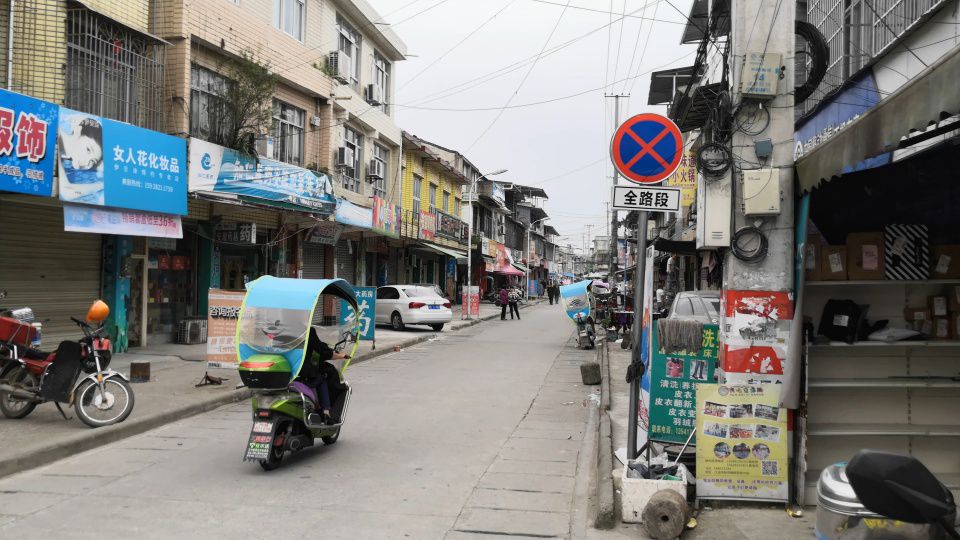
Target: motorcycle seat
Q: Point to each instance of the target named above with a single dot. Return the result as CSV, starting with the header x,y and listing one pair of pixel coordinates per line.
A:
x,y
306,390
35,354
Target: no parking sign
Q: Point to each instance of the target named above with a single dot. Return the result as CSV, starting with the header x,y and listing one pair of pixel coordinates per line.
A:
x,y
647,148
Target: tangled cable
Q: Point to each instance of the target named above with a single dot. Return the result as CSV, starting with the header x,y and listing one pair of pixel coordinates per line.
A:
x,y
749,255
819,51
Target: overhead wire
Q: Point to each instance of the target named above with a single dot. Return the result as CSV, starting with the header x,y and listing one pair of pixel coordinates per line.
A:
x,y
643,52
616,63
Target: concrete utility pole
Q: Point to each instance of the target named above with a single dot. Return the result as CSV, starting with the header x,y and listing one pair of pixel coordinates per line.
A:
x,y
473,201
612,269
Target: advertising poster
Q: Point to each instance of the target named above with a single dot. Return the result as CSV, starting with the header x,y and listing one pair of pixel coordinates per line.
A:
x,y
428,225
685,178
220,169
742,443
756,329
28,136
367,304
646,328
386,217
224,310
470,301
91,219
108,163
673,380
753,364
352,214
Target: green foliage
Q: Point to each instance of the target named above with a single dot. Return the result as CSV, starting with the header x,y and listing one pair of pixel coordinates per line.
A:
x,y
246,105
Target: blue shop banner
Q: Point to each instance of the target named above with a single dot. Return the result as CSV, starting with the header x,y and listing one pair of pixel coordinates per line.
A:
x,y
214,168
28,136
352,214
108,163
367,302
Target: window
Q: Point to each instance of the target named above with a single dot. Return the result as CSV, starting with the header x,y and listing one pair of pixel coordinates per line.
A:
x,y
433,198
457,205
381,155
209,116
381,77
288,16
350,48
287,133
446,201
417,183
351,173
387,293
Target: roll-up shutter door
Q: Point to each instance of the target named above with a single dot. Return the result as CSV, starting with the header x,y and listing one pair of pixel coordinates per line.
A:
x,y
314,261
55,273
346,261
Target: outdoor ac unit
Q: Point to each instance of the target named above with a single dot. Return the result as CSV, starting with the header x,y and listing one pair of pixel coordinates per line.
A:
x,y
374,94
344,157
375,170
192,331
315,121
339,66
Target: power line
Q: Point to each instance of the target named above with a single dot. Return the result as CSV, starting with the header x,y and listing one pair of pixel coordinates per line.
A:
x,y
633,54
611,12
616,64
643,53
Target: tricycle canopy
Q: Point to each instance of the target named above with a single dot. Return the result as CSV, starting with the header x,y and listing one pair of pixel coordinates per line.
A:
x,y
277,314
576,299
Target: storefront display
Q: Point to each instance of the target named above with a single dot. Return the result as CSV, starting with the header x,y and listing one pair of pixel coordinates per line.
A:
x,y
171,286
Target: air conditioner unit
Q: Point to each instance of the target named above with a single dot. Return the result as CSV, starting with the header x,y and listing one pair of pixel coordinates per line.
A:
x,y
374,94
339,66
264,146
344,157
375,170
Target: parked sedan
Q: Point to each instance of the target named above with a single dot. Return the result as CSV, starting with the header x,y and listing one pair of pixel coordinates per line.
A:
x,y
400,305
703,306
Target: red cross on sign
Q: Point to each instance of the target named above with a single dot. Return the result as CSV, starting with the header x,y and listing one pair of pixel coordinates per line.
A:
x,y
647,148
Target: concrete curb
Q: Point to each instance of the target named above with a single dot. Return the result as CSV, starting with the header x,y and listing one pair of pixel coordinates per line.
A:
x,y
606,508
88,440
585,483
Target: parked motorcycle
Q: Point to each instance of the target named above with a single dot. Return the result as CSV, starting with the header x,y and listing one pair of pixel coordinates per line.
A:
x,y
101,397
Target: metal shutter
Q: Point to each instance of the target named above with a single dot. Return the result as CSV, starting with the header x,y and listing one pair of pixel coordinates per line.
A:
x,y
314,261
346,261
54,272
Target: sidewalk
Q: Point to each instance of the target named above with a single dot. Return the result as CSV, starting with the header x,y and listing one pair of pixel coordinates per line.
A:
x,y
44,436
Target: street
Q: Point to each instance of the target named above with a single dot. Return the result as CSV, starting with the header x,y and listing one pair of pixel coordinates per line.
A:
x,y
476,432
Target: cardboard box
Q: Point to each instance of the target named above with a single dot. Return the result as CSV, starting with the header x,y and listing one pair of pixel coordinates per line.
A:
x,y
924,327
953,297
941,328
812,250
906,252
917,314
945,263
939,307
865,255
833,263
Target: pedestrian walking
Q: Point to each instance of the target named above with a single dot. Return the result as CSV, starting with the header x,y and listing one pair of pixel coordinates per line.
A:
x,y
550,293
504,302
512,298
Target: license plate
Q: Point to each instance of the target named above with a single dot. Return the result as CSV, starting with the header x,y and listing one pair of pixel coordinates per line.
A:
x,y
263,427
260,441
434,307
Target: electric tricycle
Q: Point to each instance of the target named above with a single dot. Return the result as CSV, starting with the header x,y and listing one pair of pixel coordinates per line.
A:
x,y
298,396
577,299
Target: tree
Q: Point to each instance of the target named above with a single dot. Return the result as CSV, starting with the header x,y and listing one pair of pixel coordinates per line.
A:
x,y
246,106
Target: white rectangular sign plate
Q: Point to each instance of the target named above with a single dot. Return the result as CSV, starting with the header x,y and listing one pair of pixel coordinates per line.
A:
x,y
653,199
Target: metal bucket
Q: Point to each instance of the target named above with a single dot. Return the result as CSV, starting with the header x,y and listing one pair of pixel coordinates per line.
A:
x,y
840,516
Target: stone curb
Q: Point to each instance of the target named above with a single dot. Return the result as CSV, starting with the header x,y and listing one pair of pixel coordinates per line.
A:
x,y
94,438
606,508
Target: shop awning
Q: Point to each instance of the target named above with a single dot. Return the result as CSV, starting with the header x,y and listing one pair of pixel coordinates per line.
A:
x,y
928,98
445,251
520,267
507,271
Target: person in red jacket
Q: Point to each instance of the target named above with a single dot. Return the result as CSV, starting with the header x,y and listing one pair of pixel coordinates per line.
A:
x,y
504,302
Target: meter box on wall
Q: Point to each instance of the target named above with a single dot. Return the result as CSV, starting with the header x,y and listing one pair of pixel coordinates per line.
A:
x,y
760,75
714,204
761,192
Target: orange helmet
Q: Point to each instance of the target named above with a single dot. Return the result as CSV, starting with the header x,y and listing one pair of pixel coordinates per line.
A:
x,y
98,311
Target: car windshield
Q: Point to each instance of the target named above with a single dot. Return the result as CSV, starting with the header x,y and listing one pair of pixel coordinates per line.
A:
x,y
418,292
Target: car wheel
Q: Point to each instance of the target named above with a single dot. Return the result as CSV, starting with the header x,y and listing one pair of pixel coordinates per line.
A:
x,y
437,327
396,321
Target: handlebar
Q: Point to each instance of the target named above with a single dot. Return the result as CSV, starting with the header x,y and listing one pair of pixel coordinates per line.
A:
x,y
89,331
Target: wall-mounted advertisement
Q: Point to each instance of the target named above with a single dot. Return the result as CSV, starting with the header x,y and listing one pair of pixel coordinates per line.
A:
x,y
28,135
108,163
386,217
92,219
428,225
352,214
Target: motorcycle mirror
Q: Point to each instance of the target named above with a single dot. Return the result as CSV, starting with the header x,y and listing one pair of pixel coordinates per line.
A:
x,y
899,487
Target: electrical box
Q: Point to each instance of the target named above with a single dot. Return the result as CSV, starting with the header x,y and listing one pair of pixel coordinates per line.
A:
x,y
760,75
761,192
714,207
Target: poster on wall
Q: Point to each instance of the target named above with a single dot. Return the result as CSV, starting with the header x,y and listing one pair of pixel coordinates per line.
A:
x,y
673,380
685,178
756,330
91,219
386,217
428,225
28,135
742,443
108,163
367,304
224,311
470,301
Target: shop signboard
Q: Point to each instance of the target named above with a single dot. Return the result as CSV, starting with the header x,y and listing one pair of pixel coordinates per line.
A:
x,y
742,442
169,244
326,233
92,219
470,301
367,304
355,215
218,169
493,249
450,227
497,193
224,311
386,217
673,379
28,135
428,225
236,233
685,178
485,246
108,163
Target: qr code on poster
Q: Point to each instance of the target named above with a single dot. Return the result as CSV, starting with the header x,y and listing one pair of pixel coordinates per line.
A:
x,y
770,468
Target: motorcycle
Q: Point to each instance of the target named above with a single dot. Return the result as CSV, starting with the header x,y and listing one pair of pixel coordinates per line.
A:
x,y
273,341
100,398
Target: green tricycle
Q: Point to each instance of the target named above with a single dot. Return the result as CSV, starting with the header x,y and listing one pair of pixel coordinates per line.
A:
x,y
297,396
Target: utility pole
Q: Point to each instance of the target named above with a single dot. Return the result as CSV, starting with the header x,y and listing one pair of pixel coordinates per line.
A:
x,y
612,269
589,250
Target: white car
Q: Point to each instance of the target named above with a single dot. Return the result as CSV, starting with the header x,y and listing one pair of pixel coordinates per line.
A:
x,y
400,305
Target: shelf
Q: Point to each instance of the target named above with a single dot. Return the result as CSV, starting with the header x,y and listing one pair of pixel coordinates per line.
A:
x,y
952,481
890,382
931,343
883,282
842,430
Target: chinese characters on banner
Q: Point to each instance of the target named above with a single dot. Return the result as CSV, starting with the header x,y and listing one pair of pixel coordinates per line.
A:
x,y
236,233
673,379
224,311
470,301
28,132
428,225
655,199
92,219
685,178
741,442
108,163
386,217
756,329
367,304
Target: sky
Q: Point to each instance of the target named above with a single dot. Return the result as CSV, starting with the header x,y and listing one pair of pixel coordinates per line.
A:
x,y
561,146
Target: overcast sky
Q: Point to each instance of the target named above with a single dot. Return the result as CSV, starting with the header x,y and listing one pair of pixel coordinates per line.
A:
x,y
536,143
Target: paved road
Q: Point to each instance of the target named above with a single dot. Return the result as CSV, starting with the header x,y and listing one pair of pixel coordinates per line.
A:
x,y
474,433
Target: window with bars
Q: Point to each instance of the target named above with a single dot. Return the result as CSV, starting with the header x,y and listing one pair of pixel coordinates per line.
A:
x,y
381,77
209,114
381,155
112,71
288,15
287,132
349,46
417,185
350,176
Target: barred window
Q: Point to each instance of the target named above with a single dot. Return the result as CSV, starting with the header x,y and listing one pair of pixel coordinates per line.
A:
x,y
353,140
417,185
381,155
209,113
